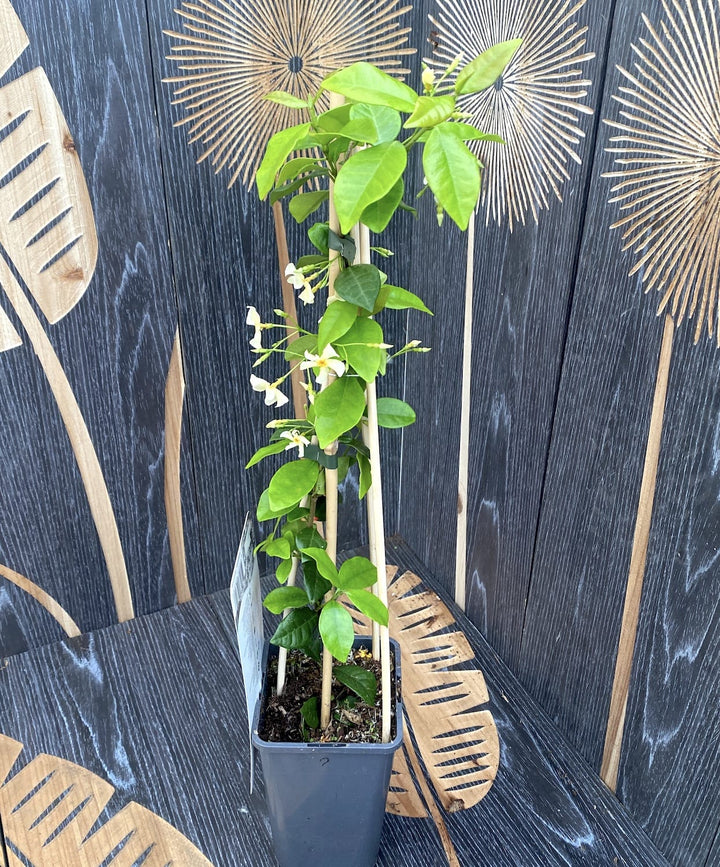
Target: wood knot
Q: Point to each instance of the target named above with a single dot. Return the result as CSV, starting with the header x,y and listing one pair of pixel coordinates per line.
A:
x,y
460,505
456,805
74,275
69,144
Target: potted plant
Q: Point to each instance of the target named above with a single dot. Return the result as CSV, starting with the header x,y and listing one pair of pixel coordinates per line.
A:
x,y
327,778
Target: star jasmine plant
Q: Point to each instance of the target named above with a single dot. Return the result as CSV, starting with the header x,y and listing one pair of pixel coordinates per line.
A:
x,y
356,152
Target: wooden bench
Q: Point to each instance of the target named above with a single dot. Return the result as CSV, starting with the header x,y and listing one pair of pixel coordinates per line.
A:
x,y
154,711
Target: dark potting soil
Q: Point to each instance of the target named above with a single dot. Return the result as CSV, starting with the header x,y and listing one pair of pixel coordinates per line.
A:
x,y
352,721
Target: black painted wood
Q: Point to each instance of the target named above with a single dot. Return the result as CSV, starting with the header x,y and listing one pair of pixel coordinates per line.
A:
x,y
115,345
523,284
172,735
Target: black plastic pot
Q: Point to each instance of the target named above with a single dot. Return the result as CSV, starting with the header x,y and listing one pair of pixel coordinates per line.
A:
x,y
327,801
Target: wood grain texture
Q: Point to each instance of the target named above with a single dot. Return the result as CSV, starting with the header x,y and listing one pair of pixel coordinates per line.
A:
x,y
14,40
523,289
58,613
114,346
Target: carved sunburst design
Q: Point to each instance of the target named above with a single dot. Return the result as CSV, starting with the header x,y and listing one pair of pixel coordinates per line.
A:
x,y
233,53
535,107
667,158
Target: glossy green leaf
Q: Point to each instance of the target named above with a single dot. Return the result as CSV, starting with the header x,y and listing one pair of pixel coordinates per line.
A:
x,y
291,482
365,475
310,711
400,299
369,604
282,573
281,598
468,132
452,173
338,408
356,574
336,629
282,97
265,512
315,584
297,348
373,124
309,537
334,119
484,70
304,204
344,246
298,166
366,177
361,681
363,82
377,216
394,413
265,452
336,320
364,359
430,111
280,146
359,285
318,235
296,630
278,548
325,565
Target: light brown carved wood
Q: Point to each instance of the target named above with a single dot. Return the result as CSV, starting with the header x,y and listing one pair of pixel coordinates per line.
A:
x,y
403,798
14,39
53,608
633,594
45,793
458,743
174,400
53,245
9,338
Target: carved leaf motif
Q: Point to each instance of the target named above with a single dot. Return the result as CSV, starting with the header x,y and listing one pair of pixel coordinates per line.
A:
x,y
50,806
457,740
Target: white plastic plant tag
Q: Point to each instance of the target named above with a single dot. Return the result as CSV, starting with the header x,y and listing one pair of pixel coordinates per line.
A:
x,y
247,609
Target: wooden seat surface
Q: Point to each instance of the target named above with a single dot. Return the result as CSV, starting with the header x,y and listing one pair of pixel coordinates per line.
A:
x,y
153,710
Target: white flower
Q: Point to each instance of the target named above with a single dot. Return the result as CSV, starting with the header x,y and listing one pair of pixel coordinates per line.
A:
x,y
297,440
273,395
307,296
323,365
254,321
298,280
428,80
310,392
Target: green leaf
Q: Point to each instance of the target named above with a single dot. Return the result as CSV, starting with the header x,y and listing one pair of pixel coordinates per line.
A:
x,y
359,285
377,215
280,146
265,512
297,348
310,712
338,408
366,177
370,605
265,452
336,320
468,132
344,246
484,70
336,629
334,119
296,630
282,97
318,235
291,482
356,574
309,537
365,474
280,192
278,548
315,584
303,204
282,573
401,299
313,260
361,681
298,166
430,111
325,565
364,359
363,82
281,598
394,413
452,173
372,123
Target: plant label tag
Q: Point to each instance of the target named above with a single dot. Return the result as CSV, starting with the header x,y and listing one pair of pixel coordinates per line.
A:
x,y
247,609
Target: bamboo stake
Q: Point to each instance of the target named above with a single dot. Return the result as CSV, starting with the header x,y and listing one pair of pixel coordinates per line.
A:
x,y
288,296
464,449
626,647
331,476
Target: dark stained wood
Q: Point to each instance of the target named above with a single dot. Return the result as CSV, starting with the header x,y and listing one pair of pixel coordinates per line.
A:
x,y
115,345
670,767
172,735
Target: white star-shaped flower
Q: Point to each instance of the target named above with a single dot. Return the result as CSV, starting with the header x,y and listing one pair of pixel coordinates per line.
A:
x,y
323,365
273,395
297,441
254,321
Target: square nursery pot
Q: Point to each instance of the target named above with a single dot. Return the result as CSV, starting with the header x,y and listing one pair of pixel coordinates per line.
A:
x,y
327,801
